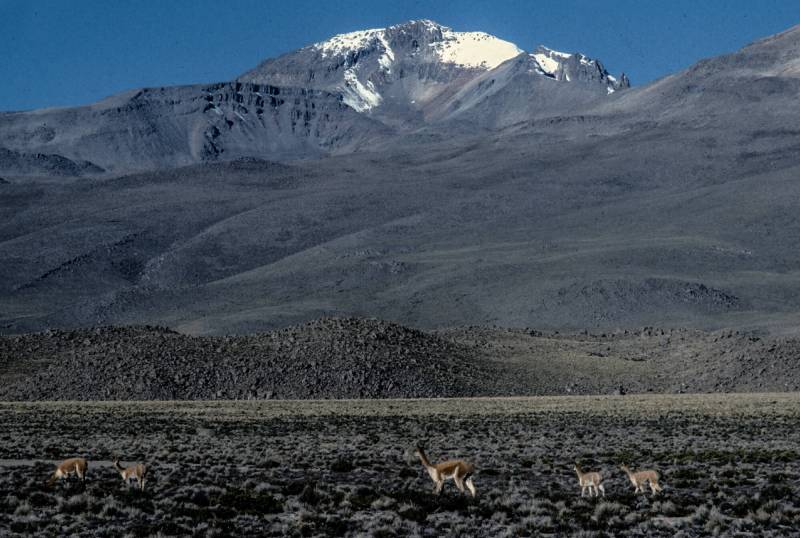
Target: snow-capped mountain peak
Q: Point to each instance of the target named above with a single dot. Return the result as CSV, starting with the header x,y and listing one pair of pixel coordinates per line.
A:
x,y
403,72
468,49
415,42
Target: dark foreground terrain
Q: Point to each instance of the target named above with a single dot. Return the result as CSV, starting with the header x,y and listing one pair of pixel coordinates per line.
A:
x,y
729,466
367,358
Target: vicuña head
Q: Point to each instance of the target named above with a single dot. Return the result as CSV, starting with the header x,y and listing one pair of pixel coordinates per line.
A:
x,y
137,471
76,466
459,471
641,478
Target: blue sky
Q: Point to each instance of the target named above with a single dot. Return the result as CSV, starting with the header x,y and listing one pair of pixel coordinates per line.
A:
x,y
58,53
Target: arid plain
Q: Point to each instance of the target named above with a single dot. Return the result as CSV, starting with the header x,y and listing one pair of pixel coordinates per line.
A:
x,y
728,466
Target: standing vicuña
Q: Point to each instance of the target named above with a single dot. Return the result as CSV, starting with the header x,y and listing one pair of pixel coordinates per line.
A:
x,y
591,480
77,466
459,470
640,478
136,472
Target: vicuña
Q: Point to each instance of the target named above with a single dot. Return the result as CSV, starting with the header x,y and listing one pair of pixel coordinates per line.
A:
x,y
77,466
137,471
640,478
591,481
459,470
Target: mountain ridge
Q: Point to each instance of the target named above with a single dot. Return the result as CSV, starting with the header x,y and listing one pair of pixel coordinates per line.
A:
x,y
324,99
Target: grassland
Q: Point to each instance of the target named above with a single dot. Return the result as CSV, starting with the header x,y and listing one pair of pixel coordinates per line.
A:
x,y
729,465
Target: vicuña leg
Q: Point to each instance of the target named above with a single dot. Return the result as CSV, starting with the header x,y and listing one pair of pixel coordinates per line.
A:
x,y
470,486
459,480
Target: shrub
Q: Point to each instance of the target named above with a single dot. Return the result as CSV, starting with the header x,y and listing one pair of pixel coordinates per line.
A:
x,y
606,510
412,512
342,466
76,504
250,502
22,509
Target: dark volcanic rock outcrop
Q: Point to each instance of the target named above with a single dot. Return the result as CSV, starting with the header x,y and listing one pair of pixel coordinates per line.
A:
x,y
329,358
359,358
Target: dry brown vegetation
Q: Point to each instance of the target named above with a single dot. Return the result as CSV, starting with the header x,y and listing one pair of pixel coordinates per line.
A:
x,y
308,468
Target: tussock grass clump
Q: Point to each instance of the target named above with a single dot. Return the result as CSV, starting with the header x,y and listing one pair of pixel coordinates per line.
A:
x,y
412,512
362,498
249,502
75,504
342,466
716,522
605,511
666,508
23,508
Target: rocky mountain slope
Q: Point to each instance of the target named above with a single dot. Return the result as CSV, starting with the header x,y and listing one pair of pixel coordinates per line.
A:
x,y
175,126
759,80
672,205
356,358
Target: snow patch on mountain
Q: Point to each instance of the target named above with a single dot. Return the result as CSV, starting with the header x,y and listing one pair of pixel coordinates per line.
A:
x,y
357,95
550,60
569,67
474,49
387,58
342,44
547,64
469,49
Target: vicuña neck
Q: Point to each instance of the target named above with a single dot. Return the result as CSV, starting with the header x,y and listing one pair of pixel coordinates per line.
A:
x,y
423,458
